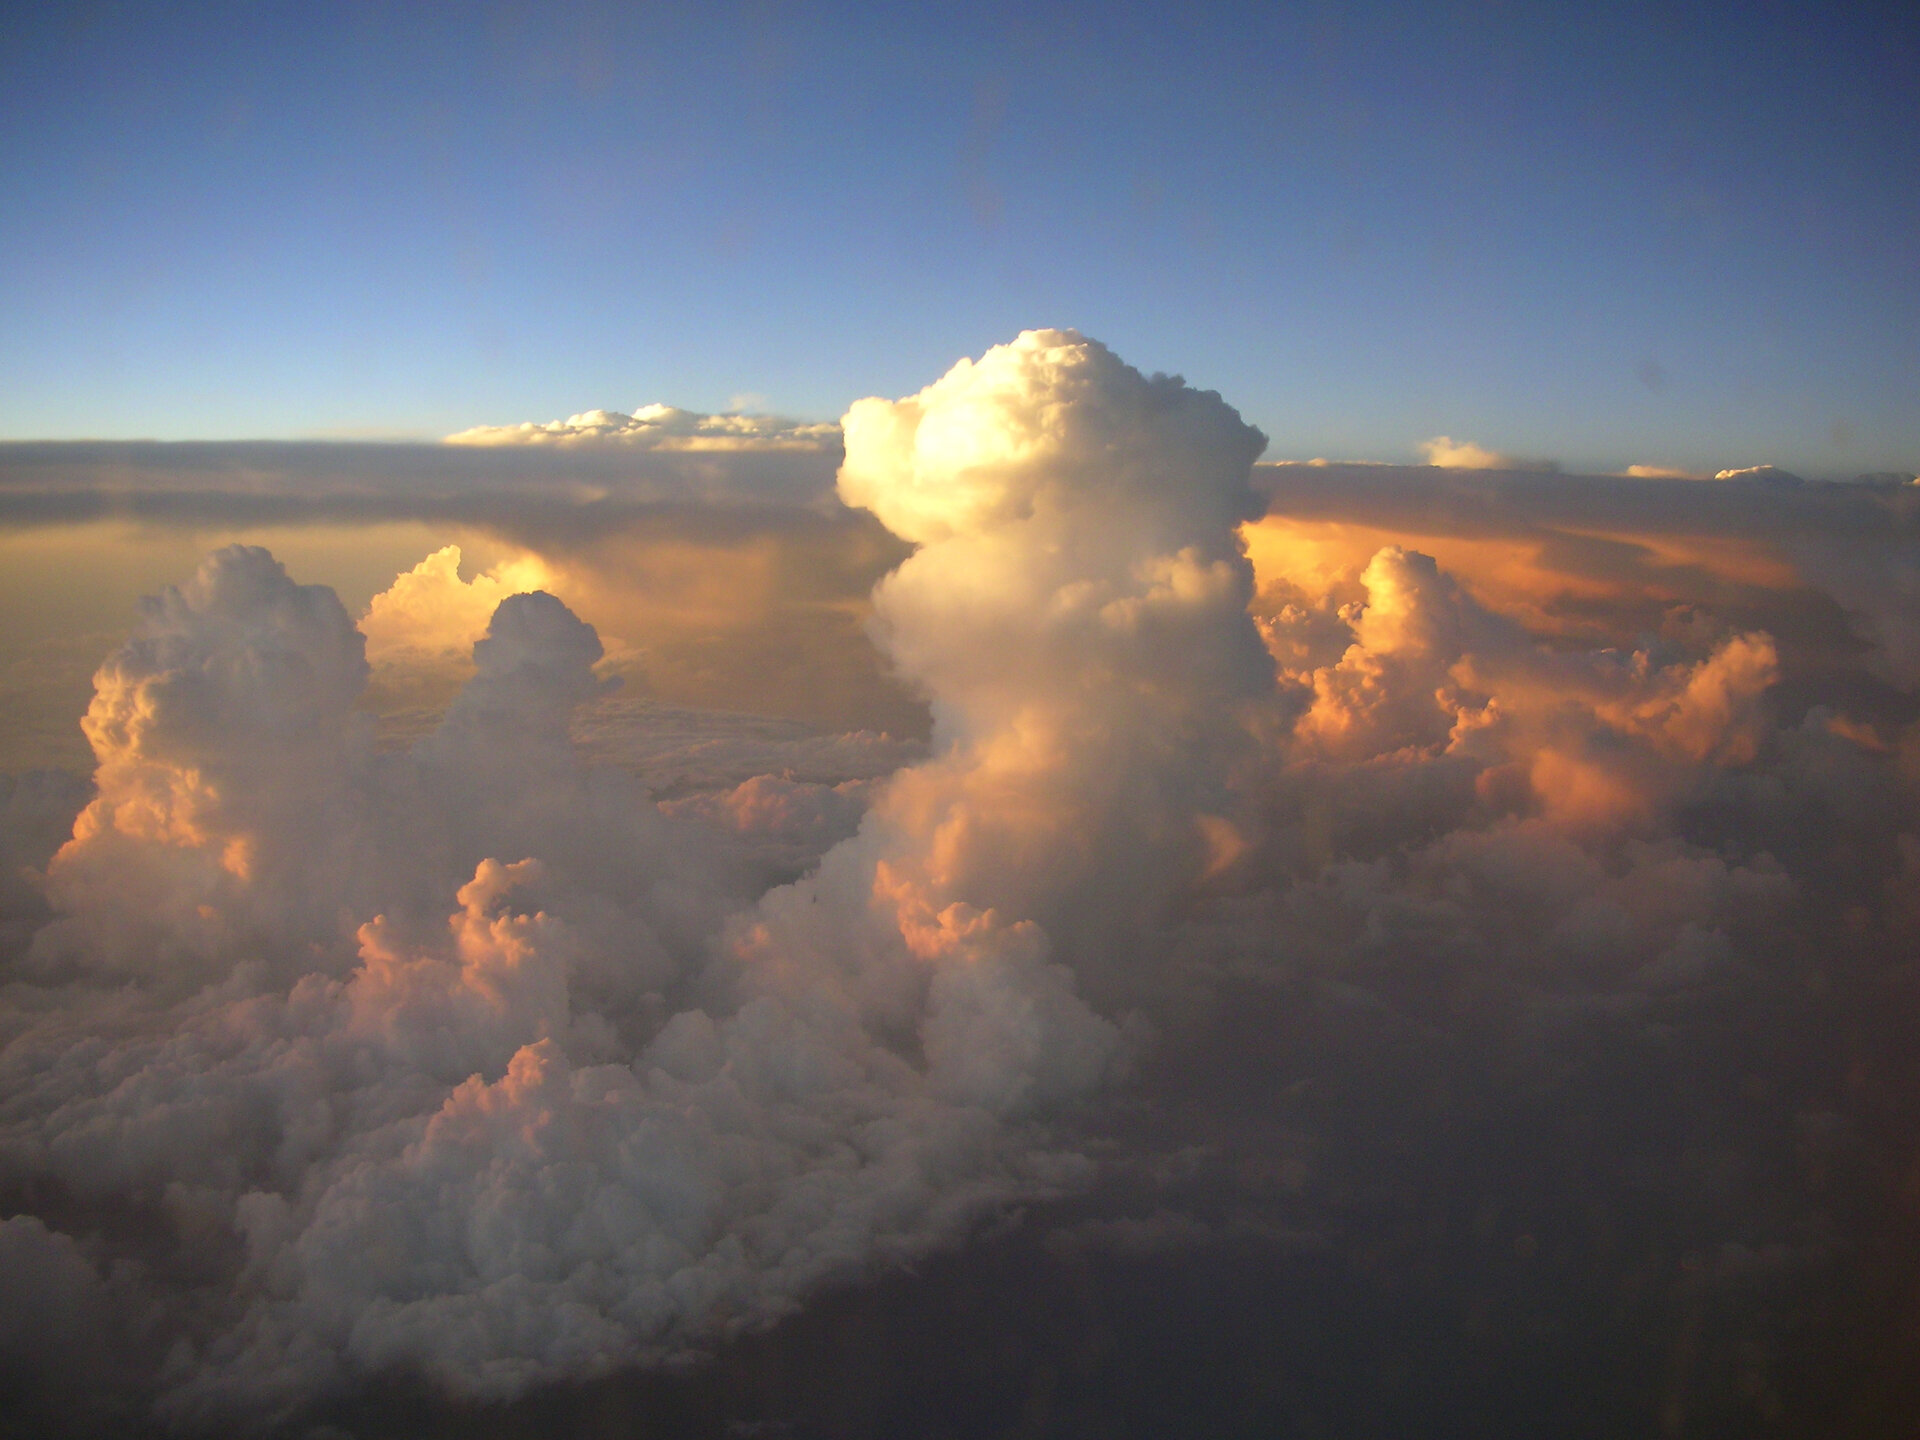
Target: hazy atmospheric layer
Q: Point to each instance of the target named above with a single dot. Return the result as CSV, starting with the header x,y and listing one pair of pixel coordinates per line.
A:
x,y
339,1043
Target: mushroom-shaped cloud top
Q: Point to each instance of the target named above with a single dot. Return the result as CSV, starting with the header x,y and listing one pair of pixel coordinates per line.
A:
x,y
1052,422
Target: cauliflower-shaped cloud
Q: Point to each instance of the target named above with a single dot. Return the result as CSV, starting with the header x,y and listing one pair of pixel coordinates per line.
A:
x,y
1450,454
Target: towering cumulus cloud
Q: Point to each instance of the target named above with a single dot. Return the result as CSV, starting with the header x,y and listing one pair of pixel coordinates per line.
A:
x,y
615,1106
226,741
1078,616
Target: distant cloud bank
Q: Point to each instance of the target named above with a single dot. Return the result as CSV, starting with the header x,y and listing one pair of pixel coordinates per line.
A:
x,y
659,427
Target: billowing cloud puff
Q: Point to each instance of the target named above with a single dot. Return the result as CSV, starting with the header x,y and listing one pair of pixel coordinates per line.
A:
x,y
1450,454
532,668
592,1118
226,740
658,427
1595,739
912,928
430,616
1048,423
1078,617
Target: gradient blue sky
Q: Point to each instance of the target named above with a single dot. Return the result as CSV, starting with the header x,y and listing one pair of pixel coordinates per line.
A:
x,y
1606,234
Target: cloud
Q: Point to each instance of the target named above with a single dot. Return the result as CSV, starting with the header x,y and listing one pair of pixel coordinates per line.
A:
x,y
609,1108
431,616
1662,472
1822,568
1450,454
224,732
1078,618
1321,862
1767,474
659,427
789,823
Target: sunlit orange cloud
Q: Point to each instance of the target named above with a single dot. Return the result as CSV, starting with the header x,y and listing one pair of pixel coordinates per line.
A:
x,y
759,610
763,614
69,594
772,623
1555,583
1323,560
1736,559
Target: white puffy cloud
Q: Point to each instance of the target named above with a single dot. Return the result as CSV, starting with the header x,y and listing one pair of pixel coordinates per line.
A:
x,y
431,617
1589,739
1077,616
1450,454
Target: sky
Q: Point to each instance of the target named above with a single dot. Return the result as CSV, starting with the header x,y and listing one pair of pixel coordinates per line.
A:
x,y
634,800
1613,235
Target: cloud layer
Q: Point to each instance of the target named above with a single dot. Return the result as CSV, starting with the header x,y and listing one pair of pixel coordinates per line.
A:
x,y
1272,821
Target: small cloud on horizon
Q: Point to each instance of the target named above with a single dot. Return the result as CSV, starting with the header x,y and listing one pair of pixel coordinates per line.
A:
x,y
1662,472
1450,454
1772,473
1321,462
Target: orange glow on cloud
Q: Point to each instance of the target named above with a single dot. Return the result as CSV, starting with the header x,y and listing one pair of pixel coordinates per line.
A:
x,y
1536,581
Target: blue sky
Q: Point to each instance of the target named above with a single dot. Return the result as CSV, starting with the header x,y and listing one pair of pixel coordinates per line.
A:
x,y
1607,234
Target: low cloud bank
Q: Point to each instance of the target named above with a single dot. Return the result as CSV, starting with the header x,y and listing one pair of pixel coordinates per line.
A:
x,y
1275,822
